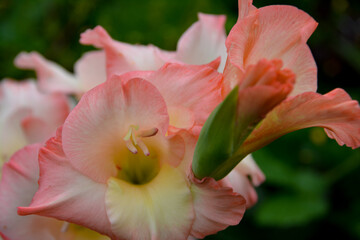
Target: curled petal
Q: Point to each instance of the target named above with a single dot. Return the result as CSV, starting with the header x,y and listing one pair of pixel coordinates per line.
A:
x,y
240,184
216,207
239,180
123,57
52,77
245,8
334,111
248,167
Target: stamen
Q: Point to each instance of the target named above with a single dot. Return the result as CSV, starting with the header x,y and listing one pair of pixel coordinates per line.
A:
x,y
65,227
128,135
133,137
132,140
131,146
148,133
143,147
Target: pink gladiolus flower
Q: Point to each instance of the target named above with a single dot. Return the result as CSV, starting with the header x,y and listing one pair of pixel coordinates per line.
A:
x,y
272,32
27,115
112,169
18,185
202,43
281,32
121,163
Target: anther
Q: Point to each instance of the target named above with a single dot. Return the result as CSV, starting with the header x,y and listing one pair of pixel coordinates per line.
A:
x,y
148,132
131,146
143,147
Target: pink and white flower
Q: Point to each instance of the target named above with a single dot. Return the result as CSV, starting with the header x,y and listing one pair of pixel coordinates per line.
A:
x,y
27,115
112,169
280,33
202,43
121,163
18,185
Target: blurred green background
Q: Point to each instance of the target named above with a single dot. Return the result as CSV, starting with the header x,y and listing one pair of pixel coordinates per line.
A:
x,y
312,189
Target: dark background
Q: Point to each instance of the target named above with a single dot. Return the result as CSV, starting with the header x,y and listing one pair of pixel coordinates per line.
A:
x,y
312,189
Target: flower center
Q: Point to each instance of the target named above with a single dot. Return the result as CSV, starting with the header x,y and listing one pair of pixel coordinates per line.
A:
x,y
139,162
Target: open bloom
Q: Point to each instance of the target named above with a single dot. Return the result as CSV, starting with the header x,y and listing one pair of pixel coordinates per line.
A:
x,y
269,103
112,169
286,29
202,43
18,185
27,115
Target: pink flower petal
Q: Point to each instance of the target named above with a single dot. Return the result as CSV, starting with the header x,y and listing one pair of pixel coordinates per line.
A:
x,y
160,209
240,184
96,128
190,89
66,194
35,129
123,57
245,8
334,111
239,180
27,115
18,185
204,41
262,87
52,77
12,136
90,70
216,207
248,167
275,32
190,143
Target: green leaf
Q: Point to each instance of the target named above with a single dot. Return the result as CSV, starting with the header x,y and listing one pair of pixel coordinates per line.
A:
x,y
289,211
216,140
280,173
